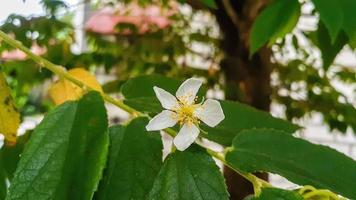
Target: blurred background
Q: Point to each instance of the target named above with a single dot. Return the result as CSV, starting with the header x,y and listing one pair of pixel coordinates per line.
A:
x,y
303,77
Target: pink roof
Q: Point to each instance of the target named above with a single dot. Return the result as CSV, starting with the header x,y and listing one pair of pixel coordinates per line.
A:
x,y
105,20
20,55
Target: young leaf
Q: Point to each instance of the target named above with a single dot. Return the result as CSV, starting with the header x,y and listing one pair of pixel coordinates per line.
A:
x,y
66,153
64,90
191,174
278,19
298,160
135,157
276,193
9,115
139,94
331,15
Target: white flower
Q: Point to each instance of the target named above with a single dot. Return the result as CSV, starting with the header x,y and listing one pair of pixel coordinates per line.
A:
x,y
183,110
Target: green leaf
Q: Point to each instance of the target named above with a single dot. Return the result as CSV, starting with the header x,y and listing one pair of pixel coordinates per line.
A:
x,y
139,94
298,160
274,22
3,185
66,153
238,117
142,86
210,3
277,194
191,174
10,155
135,157
144,104
349,20
328,49
331,14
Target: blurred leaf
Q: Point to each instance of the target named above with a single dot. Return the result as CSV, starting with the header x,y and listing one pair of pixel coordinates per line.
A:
x,y
52,6
135,157
209,3
275,21
66,154
64,90
297,160
331,14
191,174
276,194
9,115
328,49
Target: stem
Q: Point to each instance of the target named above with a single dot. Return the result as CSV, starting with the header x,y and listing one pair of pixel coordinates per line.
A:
x,y
61,71
325,193
256,182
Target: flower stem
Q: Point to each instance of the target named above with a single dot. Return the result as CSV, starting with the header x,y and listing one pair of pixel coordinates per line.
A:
x,y
61,71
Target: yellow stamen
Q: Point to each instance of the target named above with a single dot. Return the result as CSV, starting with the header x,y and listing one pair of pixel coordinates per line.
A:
x,y
184,112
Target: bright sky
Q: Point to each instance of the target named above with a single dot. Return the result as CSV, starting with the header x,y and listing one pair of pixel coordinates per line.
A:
x,y
27,7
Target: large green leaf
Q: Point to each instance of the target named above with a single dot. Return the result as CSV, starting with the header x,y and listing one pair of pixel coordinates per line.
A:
x,y
298,160
135,157
3,185
66,153
238,117
276,194
331,15
328,49
338,15
139,94
274,22
349,20
191,174
142,86
10,155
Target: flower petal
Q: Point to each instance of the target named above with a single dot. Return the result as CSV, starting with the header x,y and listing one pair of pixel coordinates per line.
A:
x,y
161,121
188,90
210,112
167,100
186,136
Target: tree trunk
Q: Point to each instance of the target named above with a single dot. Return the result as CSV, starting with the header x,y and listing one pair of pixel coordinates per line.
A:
x,y
247,79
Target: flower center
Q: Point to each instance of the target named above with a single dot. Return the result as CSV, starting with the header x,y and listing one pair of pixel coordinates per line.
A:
x,y
184,113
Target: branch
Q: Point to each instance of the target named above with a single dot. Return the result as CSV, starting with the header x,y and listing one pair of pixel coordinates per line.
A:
x,y
231,12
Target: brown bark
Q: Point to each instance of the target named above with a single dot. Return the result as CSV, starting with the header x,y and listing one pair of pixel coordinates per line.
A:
x,y
247,79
